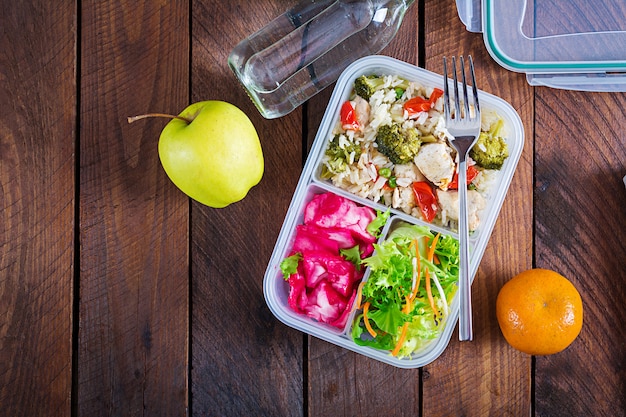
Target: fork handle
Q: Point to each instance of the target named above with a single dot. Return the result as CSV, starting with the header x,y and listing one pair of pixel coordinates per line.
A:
x,y
465,289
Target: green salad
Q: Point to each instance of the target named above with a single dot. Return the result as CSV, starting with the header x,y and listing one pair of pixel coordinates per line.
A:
x,y
404,304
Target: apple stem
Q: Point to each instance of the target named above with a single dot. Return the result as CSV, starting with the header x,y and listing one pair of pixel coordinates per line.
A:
x,y
145,116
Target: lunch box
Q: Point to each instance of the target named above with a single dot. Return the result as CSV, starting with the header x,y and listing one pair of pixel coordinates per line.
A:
x,y
276,289
567,44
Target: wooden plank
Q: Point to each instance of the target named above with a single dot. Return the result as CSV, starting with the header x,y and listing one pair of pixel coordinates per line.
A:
x,y
37,183
485,376
580,199
133,315
244,361
341,382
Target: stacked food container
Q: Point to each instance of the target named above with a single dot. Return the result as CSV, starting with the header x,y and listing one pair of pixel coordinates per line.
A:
x,y
554,42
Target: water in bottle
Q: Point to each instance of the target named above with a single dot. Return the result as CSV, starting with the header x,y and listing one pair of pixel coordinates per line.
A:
x,y
305,49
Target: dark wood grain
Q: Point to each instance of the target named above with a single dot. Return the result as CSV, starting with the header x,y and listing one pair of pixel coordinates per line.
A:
x,y
37,143
133,316
244,361
580,233
337,377
582,150
486,376
120,296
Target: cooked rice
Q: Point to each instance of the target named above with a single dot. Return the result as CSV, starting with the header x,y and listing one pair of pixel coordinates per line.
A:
x,y
361,177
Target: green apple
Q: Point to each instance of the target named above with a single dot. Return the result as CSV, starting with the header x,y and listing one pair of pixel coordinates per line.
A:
x,y
211,151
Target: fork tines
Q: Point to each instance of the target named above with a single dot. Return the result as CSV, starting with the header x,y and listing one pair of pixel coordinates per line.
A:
x,y
466,103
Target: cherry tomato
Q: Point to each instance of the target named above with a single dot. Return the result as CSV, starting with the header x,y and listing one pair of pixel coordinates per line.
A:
x,y
419,104
472,172
426,199
348,117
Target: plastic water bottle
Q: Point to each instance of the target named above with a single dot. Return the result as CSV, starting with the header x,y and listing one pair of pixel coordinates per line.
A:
x,y
305,49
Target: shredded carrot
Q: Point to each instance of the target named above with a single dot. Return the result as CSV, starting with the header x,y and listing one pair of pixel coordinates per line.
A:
x,y
429,292
417,281
359,295
436,260
433,245
405,310
407,306
366,320
398,346
409,299
430,256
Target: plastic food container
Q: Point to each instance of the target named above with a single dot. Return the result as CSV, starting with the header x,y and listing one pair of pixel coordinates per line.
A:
x,y
568,44
276,289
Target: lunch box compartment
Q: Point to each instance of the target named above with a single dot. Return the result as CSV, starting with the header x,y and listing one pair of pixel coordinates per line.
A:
x,y
276,289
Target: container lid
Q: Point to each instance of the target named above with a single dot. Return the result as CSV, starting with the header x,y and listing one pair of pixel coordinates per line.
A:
x,y
572,44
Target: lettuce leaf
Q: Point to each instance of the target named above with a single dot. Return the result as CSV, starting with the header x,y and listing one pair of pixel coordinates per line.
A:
x,y
390,283
362,338
289,265
353,255
376,226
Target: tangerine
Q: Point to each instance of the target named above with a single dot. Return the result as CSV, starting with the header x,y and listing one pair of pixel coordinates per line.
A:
x,y
539,311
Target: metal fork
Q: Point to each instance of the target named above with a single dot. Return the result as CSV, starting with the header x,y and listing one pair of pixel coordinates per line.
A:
x,y
464,126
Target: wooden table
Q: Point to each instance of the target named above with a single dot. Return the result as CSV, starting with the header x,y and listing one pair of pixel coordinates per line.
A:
x,y
120,296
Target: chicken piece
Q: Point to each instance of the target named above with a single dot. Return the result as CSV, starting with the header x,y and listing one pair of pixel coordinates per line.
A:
x,y
436,163
449,202
406,174
403,198
362,111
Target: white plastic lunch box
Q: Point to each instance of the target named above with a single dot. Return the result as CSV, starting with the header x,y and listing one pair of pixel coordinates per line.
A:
x,y
276,289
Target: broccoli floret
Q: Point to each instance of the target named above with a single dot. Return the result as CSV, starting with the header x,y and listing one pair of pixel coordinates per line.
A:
x,y
338,158
365,85
490,150
400,146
